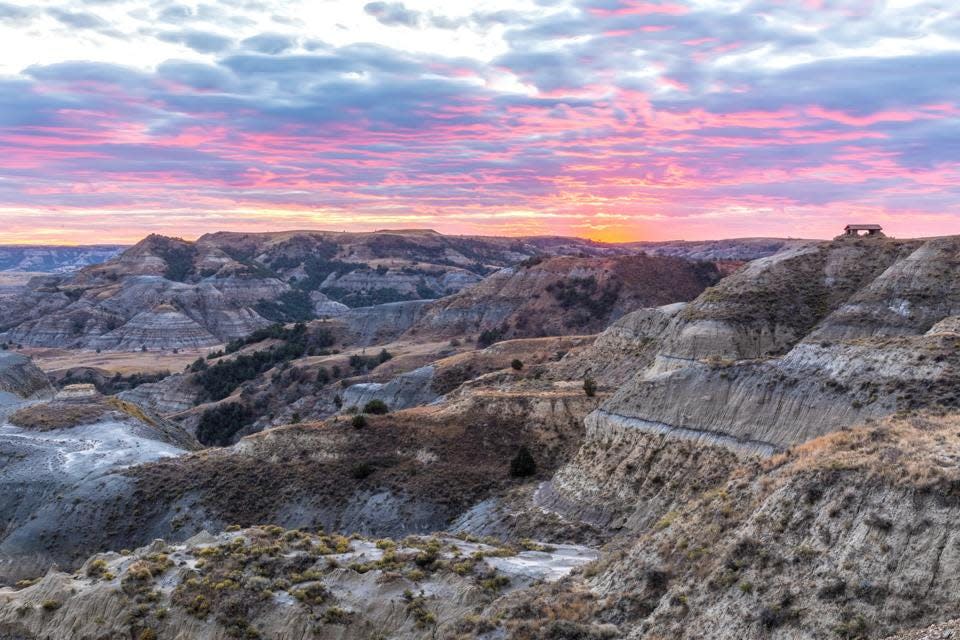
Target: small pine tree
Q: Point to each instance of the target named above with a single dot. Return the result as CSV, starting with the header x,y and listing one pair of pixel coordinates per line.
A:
x,y
359,421
376,407
590,387
523,465
517,365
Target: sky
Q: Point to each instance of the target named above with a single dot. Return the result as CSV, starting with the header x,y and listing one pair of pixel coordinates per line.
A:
x,y
615,120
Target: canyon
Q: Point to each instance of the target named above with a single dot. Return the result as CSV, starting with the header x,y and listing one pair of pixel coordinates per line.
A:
x,y
743,439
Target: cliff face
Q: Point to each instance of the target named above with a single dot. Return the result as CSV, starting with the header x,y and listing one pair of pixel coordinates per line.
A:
x,y
21,378
829,540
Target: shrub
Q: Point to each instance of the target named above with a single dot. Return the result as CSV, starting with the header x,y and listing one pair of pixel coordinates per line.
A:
x,y
289,306
516,365
50,605
490,336
219,425
359,421
362,470
590,387
336,615
376,407
523,465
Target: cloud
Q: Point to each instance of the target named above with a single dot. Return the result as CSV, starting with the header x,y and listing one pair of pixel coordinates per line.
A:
x,y
270,43
200,41
393,14
78,19
15,14
605,113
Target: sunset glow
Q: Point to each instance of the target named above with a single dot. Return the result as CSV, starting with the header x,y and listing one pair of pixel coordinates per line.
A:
x,y
610,119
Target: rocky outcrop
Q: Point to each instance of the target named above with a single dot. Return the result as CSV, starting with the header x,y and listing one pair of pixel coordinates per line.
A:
x,y
162,328
409,389
62,472
405,283
828,541
625,347
171,395
383,322
21,378
324,307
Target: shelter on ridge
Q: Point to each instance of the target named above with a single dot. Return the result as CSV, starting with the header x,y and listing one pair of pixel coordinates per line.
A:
x,y
856,229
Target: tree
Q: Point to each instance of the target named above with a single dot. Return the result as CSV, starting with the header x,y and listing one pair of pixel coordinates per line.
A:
x,y
517,364
359,421
590,387
376,407
523,465
323,377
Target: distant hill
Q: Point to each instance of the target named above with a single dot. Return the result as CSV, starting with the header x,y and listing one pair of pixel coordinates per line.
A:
x,y
565,295
168,293
55,259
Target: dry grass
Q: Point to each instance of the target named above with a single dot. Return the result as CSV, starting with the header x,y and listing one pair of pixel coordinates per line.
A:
x,y
58,415
921,450
60,360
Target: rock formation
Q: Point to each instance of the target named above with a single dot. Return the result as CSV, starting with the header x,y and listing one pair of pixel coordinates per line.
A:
x,y
563,296
21,378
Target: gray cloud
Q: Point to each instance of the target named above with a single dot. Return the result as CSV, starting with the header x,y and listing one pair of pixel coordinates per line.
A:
x,y
200,41
393,14
78,19
270,43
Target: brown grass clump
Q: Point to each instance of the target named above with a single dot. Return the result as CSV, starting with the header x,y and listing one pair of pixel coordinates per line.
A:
x,y
58,415
919,451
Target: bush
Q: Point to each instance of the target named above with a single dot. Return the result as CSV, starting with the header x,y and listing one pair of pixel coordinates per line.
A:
x,y
376,407
219,425
490,336
289,306
523,465
361,471
590,387
359,421
516,365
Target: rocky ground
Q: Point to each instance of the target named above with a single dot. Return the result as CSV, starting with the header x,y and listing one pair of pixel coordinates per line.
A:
x,y
268,582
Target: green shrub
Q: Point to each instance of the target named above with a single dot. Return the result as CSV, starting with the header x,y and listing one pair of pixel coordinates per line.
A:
x,y
219,425
516,365
359,421
376,407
